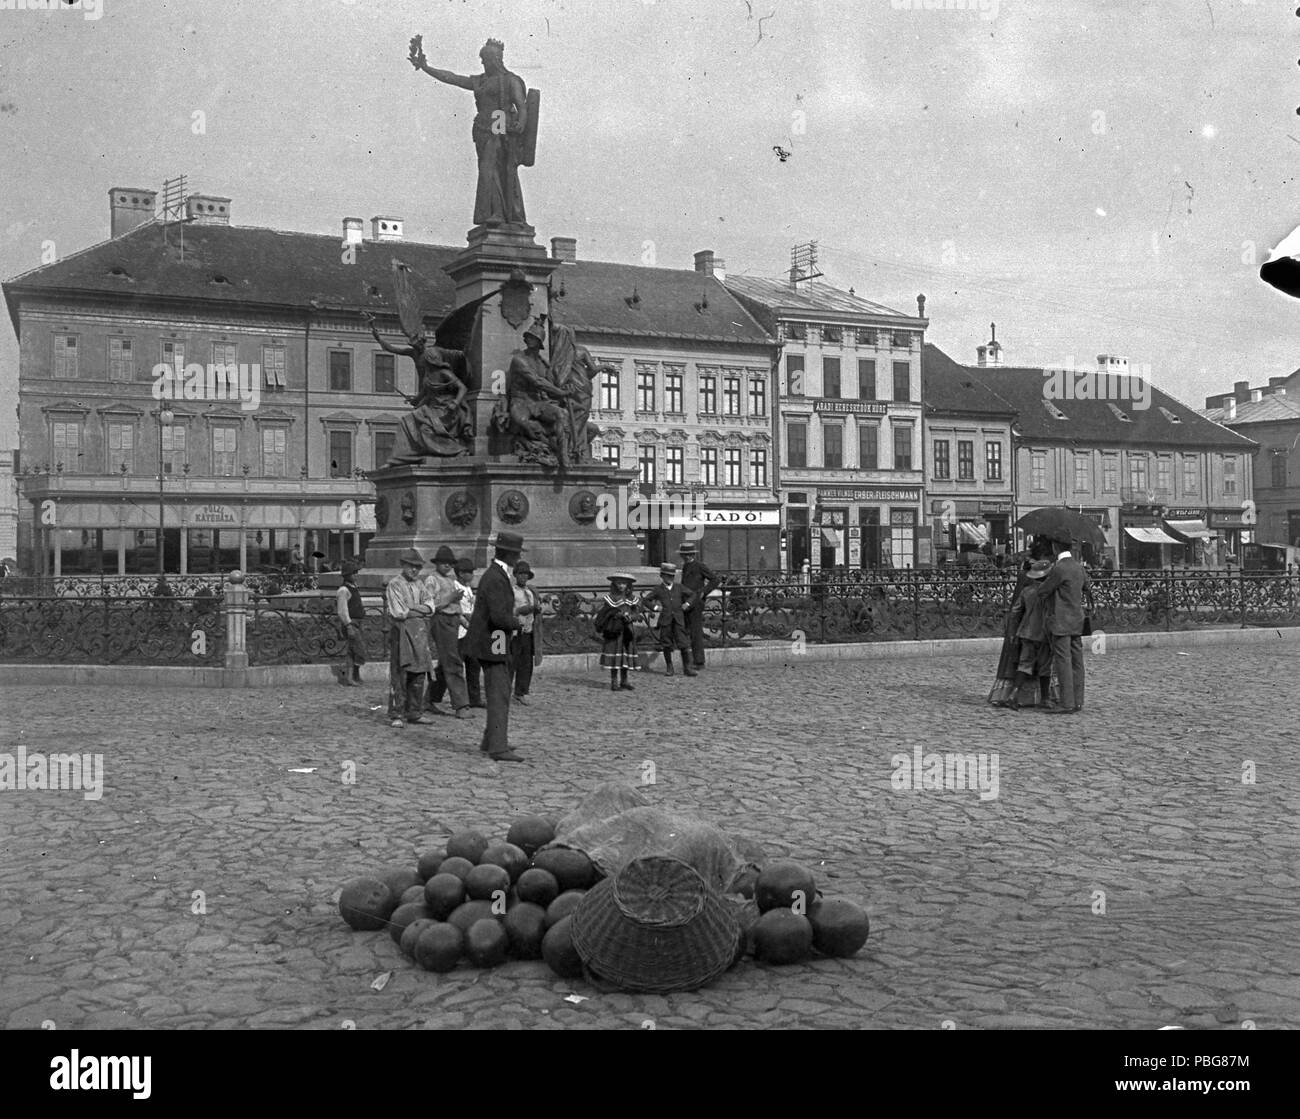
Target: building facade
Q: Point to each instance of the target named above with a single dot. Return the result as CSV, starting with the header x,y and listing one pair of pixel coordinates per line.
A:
x,y
1167,485
970,475
1271,417
850,443
239,473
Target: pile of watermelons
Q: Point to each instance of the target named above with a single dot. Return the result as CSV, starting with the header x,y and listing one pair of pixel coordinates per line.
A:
x,y
482,902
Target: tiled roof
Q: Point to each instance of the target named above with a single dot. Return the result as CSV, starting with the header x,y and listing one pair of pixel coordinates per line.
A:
x,y
948,387
1087,421
1270,409
275,268
812,298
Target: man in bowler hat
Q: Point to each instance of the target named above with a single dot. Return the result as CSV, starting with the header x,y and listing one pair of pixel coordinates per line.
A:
x,y
490,628
674,602
1063,590
699,579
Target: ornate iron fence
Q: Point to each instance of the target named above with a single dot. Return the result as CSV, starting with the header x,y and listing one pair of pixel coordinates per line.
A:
x,y
887,606
112,630
146,586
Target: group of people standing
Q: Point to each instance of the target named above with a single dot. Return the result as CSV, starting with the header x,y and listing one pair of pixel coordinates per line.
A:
x,y
669,614
445,636
1042,642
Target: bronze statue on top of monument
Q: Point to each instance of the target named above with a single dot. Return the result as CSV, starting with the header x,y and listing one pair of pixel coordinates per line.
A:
x,y
505,131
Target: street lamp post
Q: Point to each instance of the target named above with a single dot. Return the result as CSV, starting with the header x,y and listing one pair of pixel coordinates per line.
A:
x,y
165,418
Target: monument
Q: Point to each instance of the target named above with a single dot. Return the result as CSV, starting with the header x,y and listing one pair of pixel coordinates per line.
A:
x,y
499,435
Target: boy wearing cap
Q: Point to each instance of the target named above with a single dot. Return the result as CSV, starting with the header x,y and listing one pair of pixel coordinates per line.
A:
x,y
700,580
473,671
525,646
409,609
350,611
446,596
673,602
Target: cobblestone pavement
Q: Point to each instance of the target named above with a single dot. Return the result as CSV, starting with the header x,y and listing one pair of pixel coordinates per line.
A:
x,y
985,912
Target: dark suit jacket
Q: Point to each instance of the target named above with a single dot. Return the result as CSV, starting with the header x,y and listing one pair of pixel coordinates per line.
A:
x,y
670,600
698,577
493,620
1029,618
1063,591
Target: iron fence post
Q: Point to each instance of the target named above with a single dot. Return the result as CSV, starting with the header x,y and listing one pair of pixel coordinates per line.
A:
x,y
1169,599
722,634
916,608
821,606
1241,582
235,607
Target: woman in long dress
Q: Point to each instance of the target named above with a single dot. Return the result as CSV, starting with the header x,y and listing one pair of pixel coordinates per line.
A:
x,y
1004,684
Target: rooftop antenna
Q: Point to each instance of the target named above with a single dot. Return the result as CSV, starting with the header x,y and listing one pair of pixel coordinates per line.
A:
x,y
803,263
173,206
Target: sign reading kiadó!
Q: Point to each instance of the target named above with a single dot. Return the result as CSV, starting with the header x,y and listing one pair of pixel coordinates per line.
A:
x,y
727,518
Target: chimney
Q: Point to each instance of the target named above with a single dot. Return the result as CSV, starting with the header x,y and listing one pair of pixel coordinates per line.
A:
x,y
207,209
1241,390
1256,395
920,305
1230,402
385,229
564,248
991,352
709,265
129,208
1111,363
353,231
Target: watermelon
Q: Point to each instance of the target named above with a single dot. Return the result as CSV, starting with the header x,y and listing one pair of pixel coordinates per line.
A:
x,y
525,925
400,879
572,869
537,885
403,915
563,906
486,943
366,904
429,863
457,866
443,893
782,937
785,885
465,915
558,950
530,833
507,856
439,947
414,894
467,845
839,927
487,881
412,934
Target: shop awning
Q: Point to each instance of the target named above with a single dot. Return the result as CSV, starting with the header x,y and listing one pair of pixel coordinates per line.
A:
x,y
1149,534
831,537
1193,529
968,532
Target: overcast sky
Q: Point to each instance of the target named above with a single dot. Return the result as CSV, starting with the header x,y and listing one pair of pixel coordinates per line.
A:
x,y
1094,177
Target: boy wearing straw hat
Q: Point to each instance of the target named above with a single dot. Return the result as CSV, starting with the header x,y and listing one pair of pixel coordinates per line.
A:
x,y
615,620
673,602
446,596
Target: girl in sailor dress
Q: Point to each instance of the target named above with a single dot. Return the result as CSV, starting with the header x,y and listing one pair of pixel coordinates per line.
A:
x,y
619,613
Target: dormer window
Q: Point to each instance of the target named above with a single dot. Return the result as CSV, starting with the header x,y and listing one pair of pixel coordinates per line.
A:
x,y
220,279
1170,416
1122,416
118,272
1054,411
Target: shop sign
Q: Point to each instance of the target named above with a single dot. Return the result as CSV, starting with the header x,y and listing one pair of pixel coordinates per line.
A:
x,y
726,518
214,515
848,493
857,407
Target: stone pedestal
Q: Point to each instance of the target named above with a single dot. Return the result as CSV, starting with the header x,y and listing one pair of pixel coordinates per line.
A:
x,y
572,523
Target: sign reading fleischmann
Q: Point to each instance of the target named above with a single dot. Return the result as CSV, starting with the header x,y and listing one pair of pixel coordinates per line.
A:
x,y
848,493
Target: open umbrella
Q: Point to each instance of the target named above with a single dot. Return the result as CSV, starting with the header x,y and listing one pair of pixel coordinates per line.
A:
x,y
1061,523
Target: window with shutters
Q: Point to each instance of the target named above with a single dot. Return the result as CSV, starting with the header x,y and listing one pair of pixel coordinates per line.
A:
x,y
121,447
121,359
274,456
65,355
225,450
